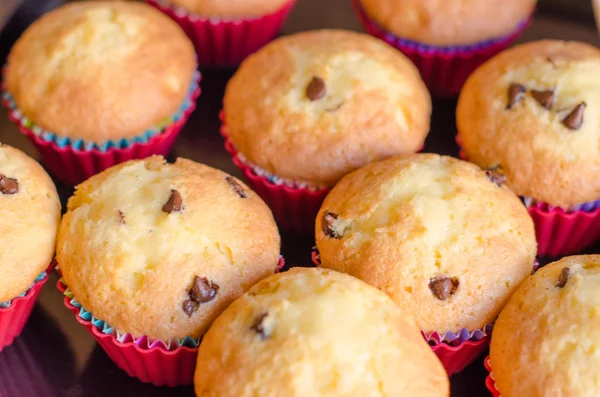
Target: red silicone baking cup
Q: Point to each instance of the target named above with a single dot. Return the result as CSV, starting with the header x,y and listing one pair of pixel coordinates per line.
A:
x,y
455,356
72,166
444,69
294,208
14,317
157,364
225,43
559,232
489,381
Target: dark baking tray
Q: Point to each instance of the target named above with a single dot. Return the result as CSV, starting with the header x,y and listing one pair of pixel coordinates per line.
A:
x,y
55,356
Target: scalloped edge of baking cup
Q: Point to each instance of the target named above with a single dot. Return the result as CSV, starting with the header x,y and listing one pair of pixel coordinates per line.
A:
x,y
7,304
226,41
82,145
490,382
443,68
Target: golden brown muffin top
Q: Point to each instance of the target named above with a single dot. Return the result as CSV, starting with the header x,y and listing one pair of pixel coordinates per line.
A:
x,y
161,249
533,111
101,70
231,8
314,106
448,22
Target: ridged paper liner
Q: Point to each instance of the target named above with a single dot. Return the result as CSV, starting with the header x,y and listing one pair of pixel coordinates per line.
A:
x,y
489,380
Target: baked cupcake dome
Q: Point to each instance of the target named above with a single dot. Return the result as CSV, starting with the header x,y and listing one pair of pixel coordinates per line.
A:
x,y
30,212
530,111
448,23
313,106
316,332
433,232
59,77
230,9
546,338
161,249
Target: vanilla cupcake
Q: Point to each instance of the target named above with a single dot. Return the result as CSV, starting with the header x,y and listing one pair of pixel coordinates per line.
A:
x,y
529,113
315,332
311,107
100,82
441,237
30,211
156,251
545,341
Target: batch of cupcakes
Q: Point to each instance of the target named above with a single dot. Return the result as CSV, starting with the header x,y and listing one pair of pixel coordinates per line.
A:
x,y
421,262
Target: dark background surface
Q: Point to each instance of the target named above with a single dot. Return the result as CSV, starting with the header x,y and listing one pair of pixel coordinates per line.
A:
x,y
55,356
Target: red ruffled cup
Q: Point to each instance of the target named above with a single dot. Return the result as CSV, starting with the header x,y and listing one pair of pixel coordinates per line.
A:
x,y
294,207
72,163
223,42
444,69
489,380
151,361
455,351
14,317
559,232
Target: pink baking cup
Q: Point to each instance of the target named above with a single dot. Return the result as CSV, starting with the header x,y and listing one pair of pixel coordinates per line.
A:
x,y
489,380
294,208
222,42
72,166
444,69
559,232
14,317
150,361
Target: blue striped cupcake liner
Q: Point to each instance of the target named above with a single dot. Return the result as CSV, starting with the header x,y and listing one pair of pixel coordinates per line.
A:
x,y
8,303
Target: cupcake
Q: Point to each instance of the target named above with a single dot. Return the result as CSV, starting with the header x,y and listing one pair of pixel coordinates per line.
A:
x,y
528,114
318,333
546,338
441,237
446,40
30,210
93,84
151,253
311,107
226,32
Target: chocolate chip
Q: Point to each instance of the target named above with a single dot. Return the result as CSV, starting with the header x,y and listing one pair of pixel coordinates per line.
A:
x,y
203,290
259,327
8,185
574,119
328,225
174,204
235,185
443,287
495,175
564,277
515,94
544,98
190,307
316,90
121,217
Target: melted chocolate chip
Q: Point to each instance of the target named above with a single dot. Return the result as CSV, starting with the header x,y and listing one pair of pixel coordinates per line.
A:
x,y
544,98
174,204
8,185
515,94
328,223
574,120
203,290
495,175
259,327
235,185
121,217
316,89
443,287
190,307
564,277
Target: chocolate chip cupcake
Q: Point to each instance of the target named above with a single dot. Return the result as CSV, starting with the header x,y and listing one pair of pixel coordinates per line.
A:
x,y
546,338
311,107
30,212
157,251
529,113
444,239
85,114
319,333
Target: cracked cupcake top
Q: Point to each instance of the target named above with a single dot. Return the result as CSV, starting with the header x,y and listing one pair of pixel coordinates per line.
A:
x,y
161,249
